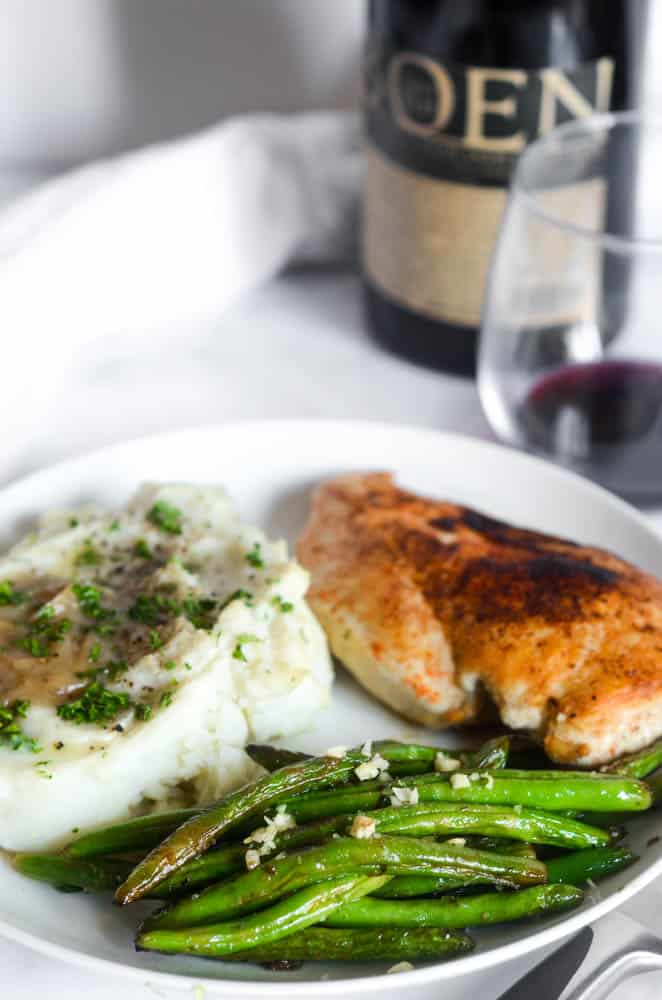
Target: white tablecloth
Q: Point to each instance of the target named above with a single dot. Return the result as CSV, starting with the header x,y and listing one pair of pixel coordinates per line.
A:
x,y
296,348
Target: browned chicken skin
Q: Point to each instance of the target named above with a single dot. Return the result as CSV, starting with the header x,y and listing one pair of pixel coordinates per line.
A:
x,y
440,611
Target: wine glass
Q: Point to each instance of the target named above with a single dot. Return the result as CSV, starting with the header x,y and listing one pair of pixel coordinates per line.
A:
x,y
570,358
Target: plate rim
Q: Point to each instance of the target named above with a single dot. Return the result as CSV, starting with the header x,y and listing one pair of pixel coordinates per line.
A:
x,y
435,972
289,424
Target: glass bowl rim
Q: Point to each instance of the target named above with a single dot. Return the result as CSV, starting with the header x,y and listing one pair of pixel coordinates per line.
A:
x,y
595,123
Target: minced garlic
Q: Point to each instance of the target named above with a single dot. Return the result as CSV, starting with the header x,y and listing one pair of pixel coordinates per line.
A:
x,y
252,859
400,967
404,796
266,835
443,762
363,828
371,768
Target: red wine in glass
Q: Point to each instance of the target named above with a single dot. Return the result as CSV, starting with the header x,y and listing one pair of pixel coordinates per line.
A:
x,y
604,418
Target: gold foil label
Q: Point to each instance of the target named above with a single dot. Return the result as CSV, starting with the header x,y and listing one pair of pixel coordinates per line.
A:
x,y
427,242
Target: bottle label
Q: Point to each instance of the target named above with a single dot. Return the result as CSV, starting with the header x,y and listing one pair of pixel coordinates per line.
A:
x,y
442,141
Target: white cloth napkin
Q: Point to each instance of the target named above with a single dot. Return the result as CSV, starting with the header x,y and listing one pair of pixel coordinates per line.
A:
x,y
162,238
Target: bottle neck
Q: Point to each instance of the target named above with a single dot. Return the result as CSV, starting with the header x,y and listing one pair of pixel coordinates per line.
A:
x,y
522,34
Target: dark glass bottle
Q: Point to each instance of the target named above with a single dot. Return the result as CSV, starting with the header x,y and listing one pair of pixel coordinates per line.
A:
x,y
454,91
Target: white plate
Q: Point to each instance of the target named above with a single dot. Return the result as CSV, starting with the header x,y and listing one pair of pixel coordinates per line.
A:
x,y
269,469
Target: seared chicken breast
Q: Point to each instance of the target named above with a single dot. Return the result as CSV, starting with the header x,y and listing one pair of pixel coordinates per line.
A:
x,y
443,613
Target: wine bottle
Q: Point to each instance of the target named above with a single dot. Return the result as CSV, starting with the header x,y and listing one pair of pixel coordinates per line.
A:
x,y
454,91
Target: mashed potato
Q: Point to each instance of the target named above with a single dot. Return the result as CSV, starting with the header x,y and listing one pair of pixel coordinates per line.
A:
x,y
139,652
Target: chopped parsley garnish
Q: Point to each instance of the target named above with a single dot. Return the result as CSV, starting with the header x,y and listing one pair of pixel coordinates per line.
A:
x,y
238,652
155,640
88,555
96,704
11,733
166,517
94,653
89,602
115,669
142,711
35,646
41,766
112,670
44,632
73,522
153,609
199,611
142,549
282,605
165,699
114,525
238,595
10,596
169,665
159,608
254,557
107,627
89,599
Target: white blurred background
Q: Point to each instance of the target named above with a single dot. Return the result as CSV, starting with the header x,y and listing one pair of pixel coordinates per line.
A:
x,y
85,78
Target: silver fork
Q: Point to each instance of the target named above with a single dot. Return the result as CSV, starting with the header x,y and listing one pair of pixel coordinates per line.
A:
x,y
588,967
642,953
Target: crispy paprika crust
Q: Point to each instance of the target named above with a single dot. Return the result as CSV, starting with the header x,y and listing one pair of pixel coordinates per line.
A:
x,y
440,611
